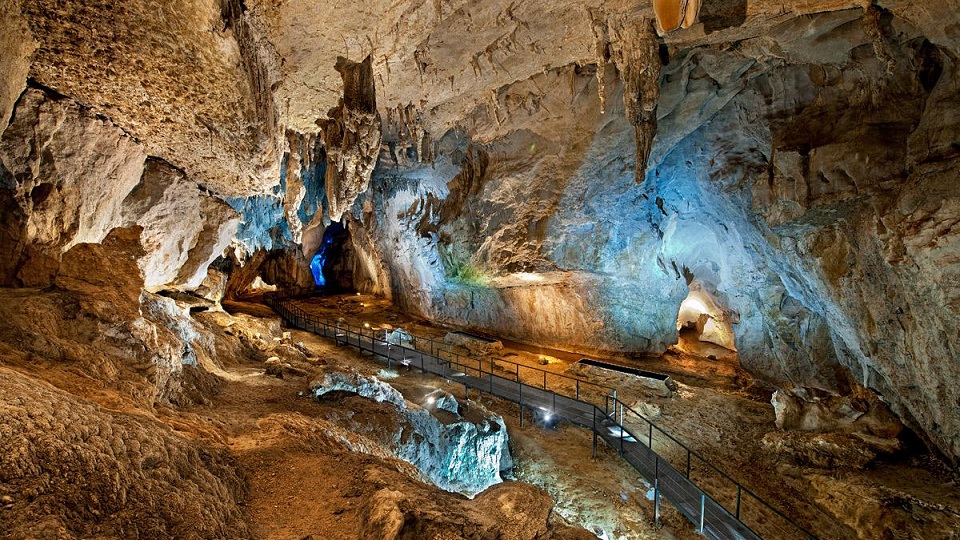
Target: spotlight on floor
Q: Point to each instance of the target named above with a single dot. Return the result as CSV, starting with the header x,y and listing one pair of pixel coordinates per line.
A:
x,y
545,416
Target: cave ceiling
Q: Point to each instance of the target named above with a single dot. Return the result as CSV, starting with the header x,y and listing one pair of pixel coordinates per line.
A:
x,y
212,86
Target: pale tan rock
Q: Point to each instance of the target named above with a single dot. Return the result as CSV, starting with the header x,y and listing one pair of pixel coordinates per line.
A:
x,y
352,136
190,80
17,45
184,229
88,470
72,172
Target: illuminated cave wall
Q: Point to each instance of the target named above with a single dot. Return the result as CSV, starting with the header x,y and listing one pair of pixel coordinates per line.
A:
x,y
781,180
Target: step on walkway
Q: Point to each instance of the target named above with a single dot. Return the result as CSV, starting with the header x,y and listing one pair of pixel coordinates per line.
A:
x,y
709,517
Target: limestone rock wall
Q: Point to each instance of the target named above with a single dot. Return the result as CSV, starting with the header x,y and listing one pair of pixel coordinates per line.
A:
x,y
782,181
65,172
191,80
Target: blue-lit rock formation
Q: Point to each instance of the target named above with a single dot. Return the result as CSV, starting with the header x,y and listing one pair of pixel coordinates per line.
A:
x,y
779,184
459,451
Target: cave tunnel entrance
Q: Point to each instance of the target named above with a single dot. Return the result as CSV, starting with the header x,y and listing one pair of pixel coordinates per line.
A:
x,y
328,266
702,320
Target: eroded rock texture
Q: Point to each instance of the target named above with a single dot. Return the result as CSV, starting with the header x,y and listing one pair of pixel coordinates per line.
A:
x,y
79,471
782,182
564,173
464,453
65,175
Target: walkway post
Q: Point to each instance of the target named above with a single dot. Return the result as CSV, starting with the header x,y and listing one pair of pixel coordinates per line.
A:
x,y
739,493
491,376
656,491
594,432
521,404
703,504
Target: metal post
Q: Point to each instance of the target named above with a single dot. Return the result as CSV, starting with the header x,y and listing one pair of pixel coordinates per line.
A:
x,y
594,432
544,380
703,504
621,439
578,389
656,491
521,404
650,436
688,463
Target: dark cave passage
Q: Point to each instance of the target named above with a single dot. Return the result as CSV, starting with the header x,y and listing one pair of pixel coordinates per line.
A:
x,y
326,265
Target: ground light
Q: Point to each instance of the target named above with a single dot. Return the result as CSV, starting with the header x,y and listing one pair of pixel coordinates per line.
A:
x,y
545,417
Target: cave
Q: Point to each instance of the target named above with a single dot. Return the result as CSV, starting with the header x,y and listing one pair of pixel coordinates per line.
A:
x,y
326,264
479,269
701,319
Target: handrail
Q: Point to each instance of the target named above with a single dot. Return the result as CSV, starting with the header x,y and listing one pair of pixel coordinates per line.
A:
x,y
275,300
437,346
741,489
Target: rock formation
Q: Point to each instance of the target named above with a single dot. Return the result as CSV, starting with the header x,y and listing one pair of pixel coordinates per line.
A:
x,y
456,453
562,173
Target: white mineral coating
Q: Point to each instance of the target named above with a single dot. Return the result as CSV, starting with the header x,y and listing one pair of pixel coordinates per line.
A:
x,y
827,241
372,388
461,455
68,172
400,337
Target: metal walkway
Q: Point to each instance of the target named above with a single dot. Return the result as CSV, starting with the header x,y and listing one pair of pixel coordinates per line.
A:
x,y
580,402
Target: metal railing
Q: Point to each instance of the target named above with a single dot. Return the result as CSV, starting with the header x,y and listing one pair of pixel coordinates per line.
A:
x,y
637,439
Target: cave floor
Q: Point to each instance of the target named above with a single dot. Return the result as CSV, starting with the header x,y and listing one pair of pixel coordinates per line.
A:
x,y
719,411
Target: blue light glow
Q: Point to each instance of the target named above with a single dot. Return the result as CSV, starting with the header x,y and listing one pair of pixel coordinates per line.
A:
x,y
321,260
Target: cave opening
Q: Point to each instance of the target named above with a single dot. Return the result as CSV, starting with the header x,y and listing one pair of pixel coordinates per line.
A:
x,y
701,319
327,265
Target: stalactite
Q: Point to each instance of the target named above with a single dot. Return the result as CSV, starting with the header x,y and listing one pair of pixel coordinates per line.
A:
x,y
352,136
599,28
635,50
674,14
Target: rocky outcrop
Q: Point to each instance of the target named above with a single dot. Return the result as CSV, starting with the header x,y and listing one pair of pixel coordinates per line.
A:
x,y
75,470
191,81
510,511
66,173
780,183
17,46
458,452
184,228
